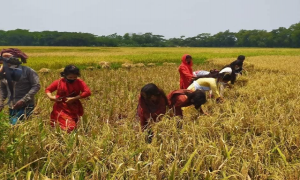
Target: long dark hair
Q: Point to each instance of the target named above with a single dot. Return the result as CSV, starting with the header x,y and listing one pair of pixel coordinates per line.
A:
x,y
152,90
70,69
197,98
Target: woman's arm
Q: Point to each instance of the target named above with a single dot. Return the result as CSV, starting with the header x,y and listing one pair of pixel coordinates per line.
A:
x,y
51,88
85,90
53,98
185,71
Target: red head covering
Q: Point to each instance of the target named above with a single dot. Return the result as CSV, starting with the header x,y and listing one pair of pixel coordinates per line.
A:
x,y
186,72
183,60
16,53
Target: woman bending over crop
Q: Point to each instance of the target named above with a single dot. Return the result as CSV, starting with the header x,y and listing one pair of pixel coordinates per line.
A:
x,y
236,67
183,98
152,103
211,84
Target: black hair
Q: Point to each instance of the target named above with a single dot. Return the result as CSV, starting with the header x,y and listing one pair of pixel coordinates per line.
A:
x,y
150,90
70,69
241,57
188,56
197,98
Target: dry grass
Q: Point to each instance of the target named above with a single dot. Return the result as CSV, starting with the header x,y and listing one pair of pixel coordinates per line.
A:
x,y
254,134
44,70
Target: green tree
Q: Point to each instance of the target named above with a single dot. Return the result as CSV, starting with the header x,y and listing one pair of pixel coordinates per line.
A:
x,y
280,37
295,35
224,39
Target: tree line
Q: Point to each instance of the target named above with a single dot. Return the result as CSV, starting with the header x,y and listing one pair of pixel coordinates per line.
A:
x,y
281,37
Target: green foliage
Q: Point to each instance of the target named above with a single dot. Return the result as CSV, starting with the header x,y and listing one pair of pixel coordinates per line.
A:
x,y
4,126
280,37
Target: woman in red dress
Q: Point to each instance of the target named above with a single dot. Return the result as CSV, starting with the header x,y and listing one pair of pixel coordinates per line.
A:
x,y
152,103
67,108
183,98
185,71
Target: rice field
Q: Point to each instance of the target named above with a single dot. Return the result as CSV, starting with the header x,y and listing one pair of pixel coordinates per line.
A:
x,y
254,134
59,57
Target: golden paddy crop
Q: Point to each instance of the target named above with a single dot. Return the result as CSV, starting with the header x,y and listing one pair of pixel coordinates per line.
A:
x,y
254,134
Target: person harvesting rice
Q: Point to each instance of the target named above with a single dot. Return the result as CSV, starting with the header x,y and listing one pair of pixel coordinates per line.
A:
x,y
67,108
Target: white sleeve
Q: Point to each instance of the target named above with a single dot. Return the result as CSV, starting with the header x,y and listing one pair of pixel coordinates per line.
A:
x,y
226,70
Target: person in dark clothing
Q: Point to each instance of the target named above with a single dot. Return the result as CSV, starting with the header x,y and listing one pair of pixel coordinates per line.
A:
x,y
237,67
22,85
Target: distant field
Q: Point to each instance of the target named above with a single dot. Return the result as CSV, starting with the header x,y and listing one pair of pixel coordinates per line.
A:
x,y
58,57
254,134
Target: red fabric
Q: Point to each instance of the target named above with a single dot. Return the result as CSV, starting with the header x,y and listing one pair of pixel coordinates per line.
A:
x,y
186,72
148,109
67,114
16,53
177,99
